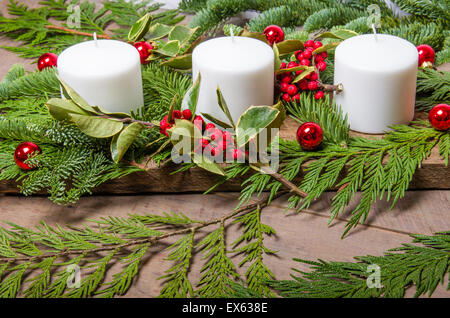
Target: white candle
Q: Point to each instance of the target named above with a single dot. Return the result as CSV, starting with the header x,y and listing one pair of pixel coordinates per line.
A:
x,y
242,67
106,73
378,73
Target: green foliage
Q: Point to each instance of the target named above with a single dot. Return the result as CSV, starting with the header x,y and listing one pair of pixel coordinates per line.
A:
x,y
31,25
423,266
420,33
433,87
434,10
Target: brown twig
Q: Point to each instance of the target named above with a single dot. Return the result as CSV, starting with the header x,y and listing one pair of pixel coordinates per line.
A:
x,y
331,88
71,31
149,240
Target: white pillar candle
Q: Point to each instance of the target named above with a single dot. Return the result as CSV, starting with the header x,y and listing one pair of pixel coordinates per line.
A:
x,y
378,73
242,67
106,73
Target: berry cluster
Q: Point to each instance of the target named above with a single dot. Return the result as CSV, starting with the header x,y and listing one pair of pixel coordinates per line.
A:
x,y
291,91
215,142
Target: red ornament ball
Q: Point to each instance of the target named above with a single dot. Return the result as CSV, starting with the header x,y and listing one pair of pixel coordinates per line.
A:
x,y
47,60
426,54
439,117
274,34
309,136
145,50
23,152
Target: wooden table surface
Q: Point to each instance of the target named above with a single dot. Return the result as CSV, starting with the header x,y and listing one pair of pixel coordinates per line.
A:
x,y
304,235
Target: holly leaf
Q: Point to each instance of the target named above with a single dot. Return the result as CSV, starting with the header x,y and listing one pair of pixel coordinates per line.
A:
x,y
121,142
158,31
224,107
309,70
97,127
140,28
69,93
292,69
181,33
216,121
326,47
205,163
253,35
183,62
60,109
110,114
277,62
289,46
171,48
252,121
341,34
190,99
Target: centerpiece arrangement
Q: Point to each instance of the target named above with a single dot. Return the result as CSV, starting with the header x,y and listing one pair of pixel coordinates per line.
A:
x,y
105,103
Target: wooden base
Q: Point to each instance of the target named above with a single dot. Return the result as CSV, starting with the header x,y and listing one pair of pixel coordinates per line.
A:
x,y
432,175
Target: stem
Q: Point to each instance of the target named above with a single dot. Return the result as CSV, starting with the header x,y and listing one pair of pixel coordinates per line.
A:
x,y
71,31
262,203
331,88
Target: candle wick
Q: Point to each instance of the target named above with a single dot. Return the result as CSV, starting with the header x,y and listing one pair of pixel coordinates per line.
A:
x,y
95,39
374,31
232,34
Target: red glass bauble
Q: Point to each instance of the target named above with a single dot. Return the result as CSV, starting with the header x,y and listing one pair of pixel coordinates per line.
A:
x,y
439,117
47,60
23,152
426,54
145,50
274,34
309,136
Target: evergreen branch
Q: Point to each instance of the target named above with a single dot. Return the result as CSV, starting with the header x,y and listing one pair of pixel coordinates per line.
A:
x,y
433,87
410,265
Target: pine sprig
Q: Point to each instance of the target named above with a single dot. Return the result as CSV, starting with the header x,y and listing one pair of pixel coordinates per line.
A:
x,y
423,266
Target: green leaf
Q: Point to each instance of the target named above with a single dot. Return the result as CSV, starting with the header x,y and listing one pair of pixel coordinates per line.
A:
x,y
140,28
97,127
310,69
183,62
158,31
276,53
224,107
60,109
341,34
293,69
289,46
98,109
190,99
326,47
69,93
171,48
173,103
252,121
121,142
208,165
253,35
216,121
181,33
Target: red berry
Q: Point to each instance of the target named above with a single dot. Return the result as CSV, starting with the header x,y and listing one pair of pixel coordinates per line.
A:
x,y
308,76
297,53
307,54
163,124
309,43
313,85
298,72
284,87
287,78
319,95
216,151
321,66
286,97
47,60
439,117
318,58
187,114
222,144
314,76
176,114
305,62
303,85
199,122
324,54
309,136
145,50
426,54
274,34
203,142
237,154
300,56
296,97
216,135
210,126
317,44
291,64
23,152
227,137
283,65
292,90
